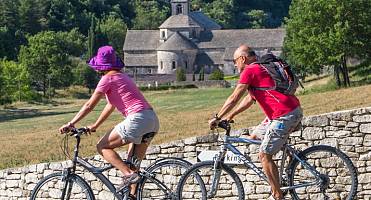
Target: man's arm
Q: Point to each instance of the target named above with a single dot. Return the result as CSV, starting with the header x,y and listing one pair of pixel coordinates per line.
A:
x,y
232,100
245,104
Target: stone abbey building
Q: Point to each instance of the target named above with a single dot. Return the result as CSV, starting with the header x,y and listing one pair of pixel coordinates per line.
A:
x,y
191,40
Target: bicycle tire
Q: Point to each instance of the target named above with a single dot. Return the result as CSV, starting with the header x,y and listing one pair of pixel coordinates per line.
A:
x,y
165,170
229,187
330,171
51,186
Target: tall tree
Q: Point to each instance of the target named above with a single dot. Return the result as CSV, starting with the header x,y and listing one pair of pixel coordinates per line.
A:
x,y
47,60
326,33
257,18
31,15
9,16
150,14
222,11
15,81
115,30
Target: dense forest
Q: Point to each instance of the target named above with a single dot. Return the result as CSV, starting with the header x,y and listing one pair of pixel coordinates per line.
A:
x,y
44,43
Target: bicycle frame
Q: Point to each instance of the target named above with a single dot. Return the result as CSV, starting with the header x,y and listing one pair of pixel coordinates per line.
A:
x,y
98,172
228,145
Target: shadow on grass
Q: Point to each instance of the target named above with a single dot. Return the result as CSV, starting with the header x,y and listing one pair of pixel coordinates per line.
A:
x,y
12,114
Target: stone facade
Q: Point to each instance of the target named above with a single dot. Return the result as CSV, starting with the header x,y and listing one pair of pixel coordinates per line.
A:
x,y
348,130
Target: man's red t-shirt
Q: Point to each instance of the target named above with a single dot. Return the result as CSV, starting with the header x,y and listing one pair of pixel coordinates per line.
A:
x,y
273,103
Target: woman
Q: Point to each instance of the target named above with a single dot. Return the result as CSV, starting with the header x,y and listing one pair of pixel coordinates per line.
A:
x,y
140,124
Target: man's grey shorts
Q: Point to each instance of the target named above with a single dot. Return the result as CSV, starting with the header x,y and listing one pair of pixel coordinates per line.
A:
x,y
276,132
138,124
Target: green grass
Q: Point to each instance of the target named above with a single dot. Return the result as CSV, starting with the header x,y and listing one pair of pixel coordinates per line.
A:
x,y
29,131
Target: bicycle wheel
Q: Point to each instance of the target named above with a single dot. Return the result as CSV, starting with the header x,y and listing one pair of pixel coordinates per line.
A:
x,y
166,172
229,185
338,174
54,185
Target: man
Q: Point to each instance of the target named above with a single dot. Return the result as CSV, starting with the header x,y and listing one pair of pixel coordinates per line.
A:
x,y
283,112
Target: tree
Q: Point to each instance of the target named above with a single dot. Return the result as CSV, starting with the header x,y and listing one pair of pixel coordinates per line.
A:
x,y
149,14
180,74
257,18
326,33
91,38
115,30
216,75
31,15
9,16
47,60
61,16
222,11
85,76
15,81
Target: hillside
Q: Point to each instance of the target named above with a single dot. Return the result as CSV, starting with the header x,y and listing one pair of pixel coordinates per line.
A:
x,y
29,131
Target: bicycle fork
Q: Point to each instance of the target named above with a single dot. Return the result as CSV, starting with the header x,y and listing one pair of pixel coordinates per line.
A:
x,y
217,170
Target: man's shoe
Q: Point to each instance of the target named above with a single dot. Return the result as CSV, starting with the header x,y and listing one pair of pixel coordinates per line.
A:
x,y
128,180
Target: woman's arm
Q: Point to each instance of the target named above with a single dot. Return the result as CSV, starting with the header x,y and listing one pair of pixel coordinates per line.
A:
x,y
86,109
108,109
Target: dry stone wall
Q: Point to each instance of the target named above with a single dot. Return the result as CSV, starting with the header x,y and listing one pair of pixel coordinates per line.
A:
x,y
348,130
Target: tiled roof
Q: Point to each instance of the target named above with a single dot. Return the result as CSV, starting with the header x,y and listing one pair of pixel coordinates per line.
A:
x,y
204,21
142,40
177,42
179,21
255,38
142,60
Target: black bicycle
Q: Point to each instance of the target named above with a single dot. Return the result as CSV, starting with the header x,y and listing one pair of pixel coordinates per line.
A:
x,y
158,181
318,172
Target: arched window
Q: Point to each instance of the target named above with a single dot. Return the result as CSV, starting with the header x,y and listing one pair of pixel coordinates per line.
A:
x,y
173,65
179,9
186,64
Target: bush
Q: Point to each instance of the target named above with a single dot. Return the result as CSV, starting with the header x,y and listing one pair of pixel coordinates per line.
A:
x,y
166,87
180,75
216,75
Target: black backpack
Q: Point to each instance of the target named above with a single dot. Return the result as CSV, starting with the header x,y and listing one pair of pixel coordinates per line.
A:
x,y
283,76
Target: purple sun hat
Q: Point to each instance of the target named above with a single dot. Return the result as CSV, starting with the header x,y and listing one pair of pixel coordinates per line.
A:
x,y
106,59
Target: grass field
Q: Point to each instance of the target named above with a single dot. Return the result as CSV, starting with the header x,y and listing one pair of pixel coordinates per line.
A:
x,y
29,131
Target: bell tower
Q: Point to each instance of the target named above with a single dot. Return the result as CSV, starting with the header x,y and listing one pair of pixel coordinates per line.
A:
x,y
180,7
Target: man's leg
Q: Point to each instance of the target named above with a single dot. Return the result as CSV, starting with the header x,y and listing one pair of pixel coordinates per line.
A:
x,y
271,171
106,146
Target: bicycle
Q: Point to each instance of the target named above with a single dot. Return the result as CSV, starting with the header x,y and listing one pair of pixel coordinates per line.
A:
x,y
313,173
69,185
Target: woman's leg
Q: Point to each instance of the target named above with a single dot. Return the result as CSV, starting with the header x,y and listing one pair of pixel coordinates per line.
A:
x,y
106,146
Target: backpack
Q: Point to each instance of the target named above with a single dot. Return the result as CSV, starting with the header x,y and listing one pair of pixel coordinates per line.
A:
x,y
285,80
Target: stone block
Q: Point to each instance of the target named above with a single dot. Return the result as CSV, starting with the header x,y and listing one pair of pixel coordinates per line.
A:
x,y
362,118
365,128
31,178
364,178
154,149
190,141
208,138
338,123
338,134
341,115
320,120
12,183
351,141
313,133
352,125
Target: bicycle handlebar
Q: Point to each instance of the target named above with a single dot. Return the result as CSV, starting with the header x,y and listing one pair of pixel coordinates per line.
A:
x,y
79,131
226,125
